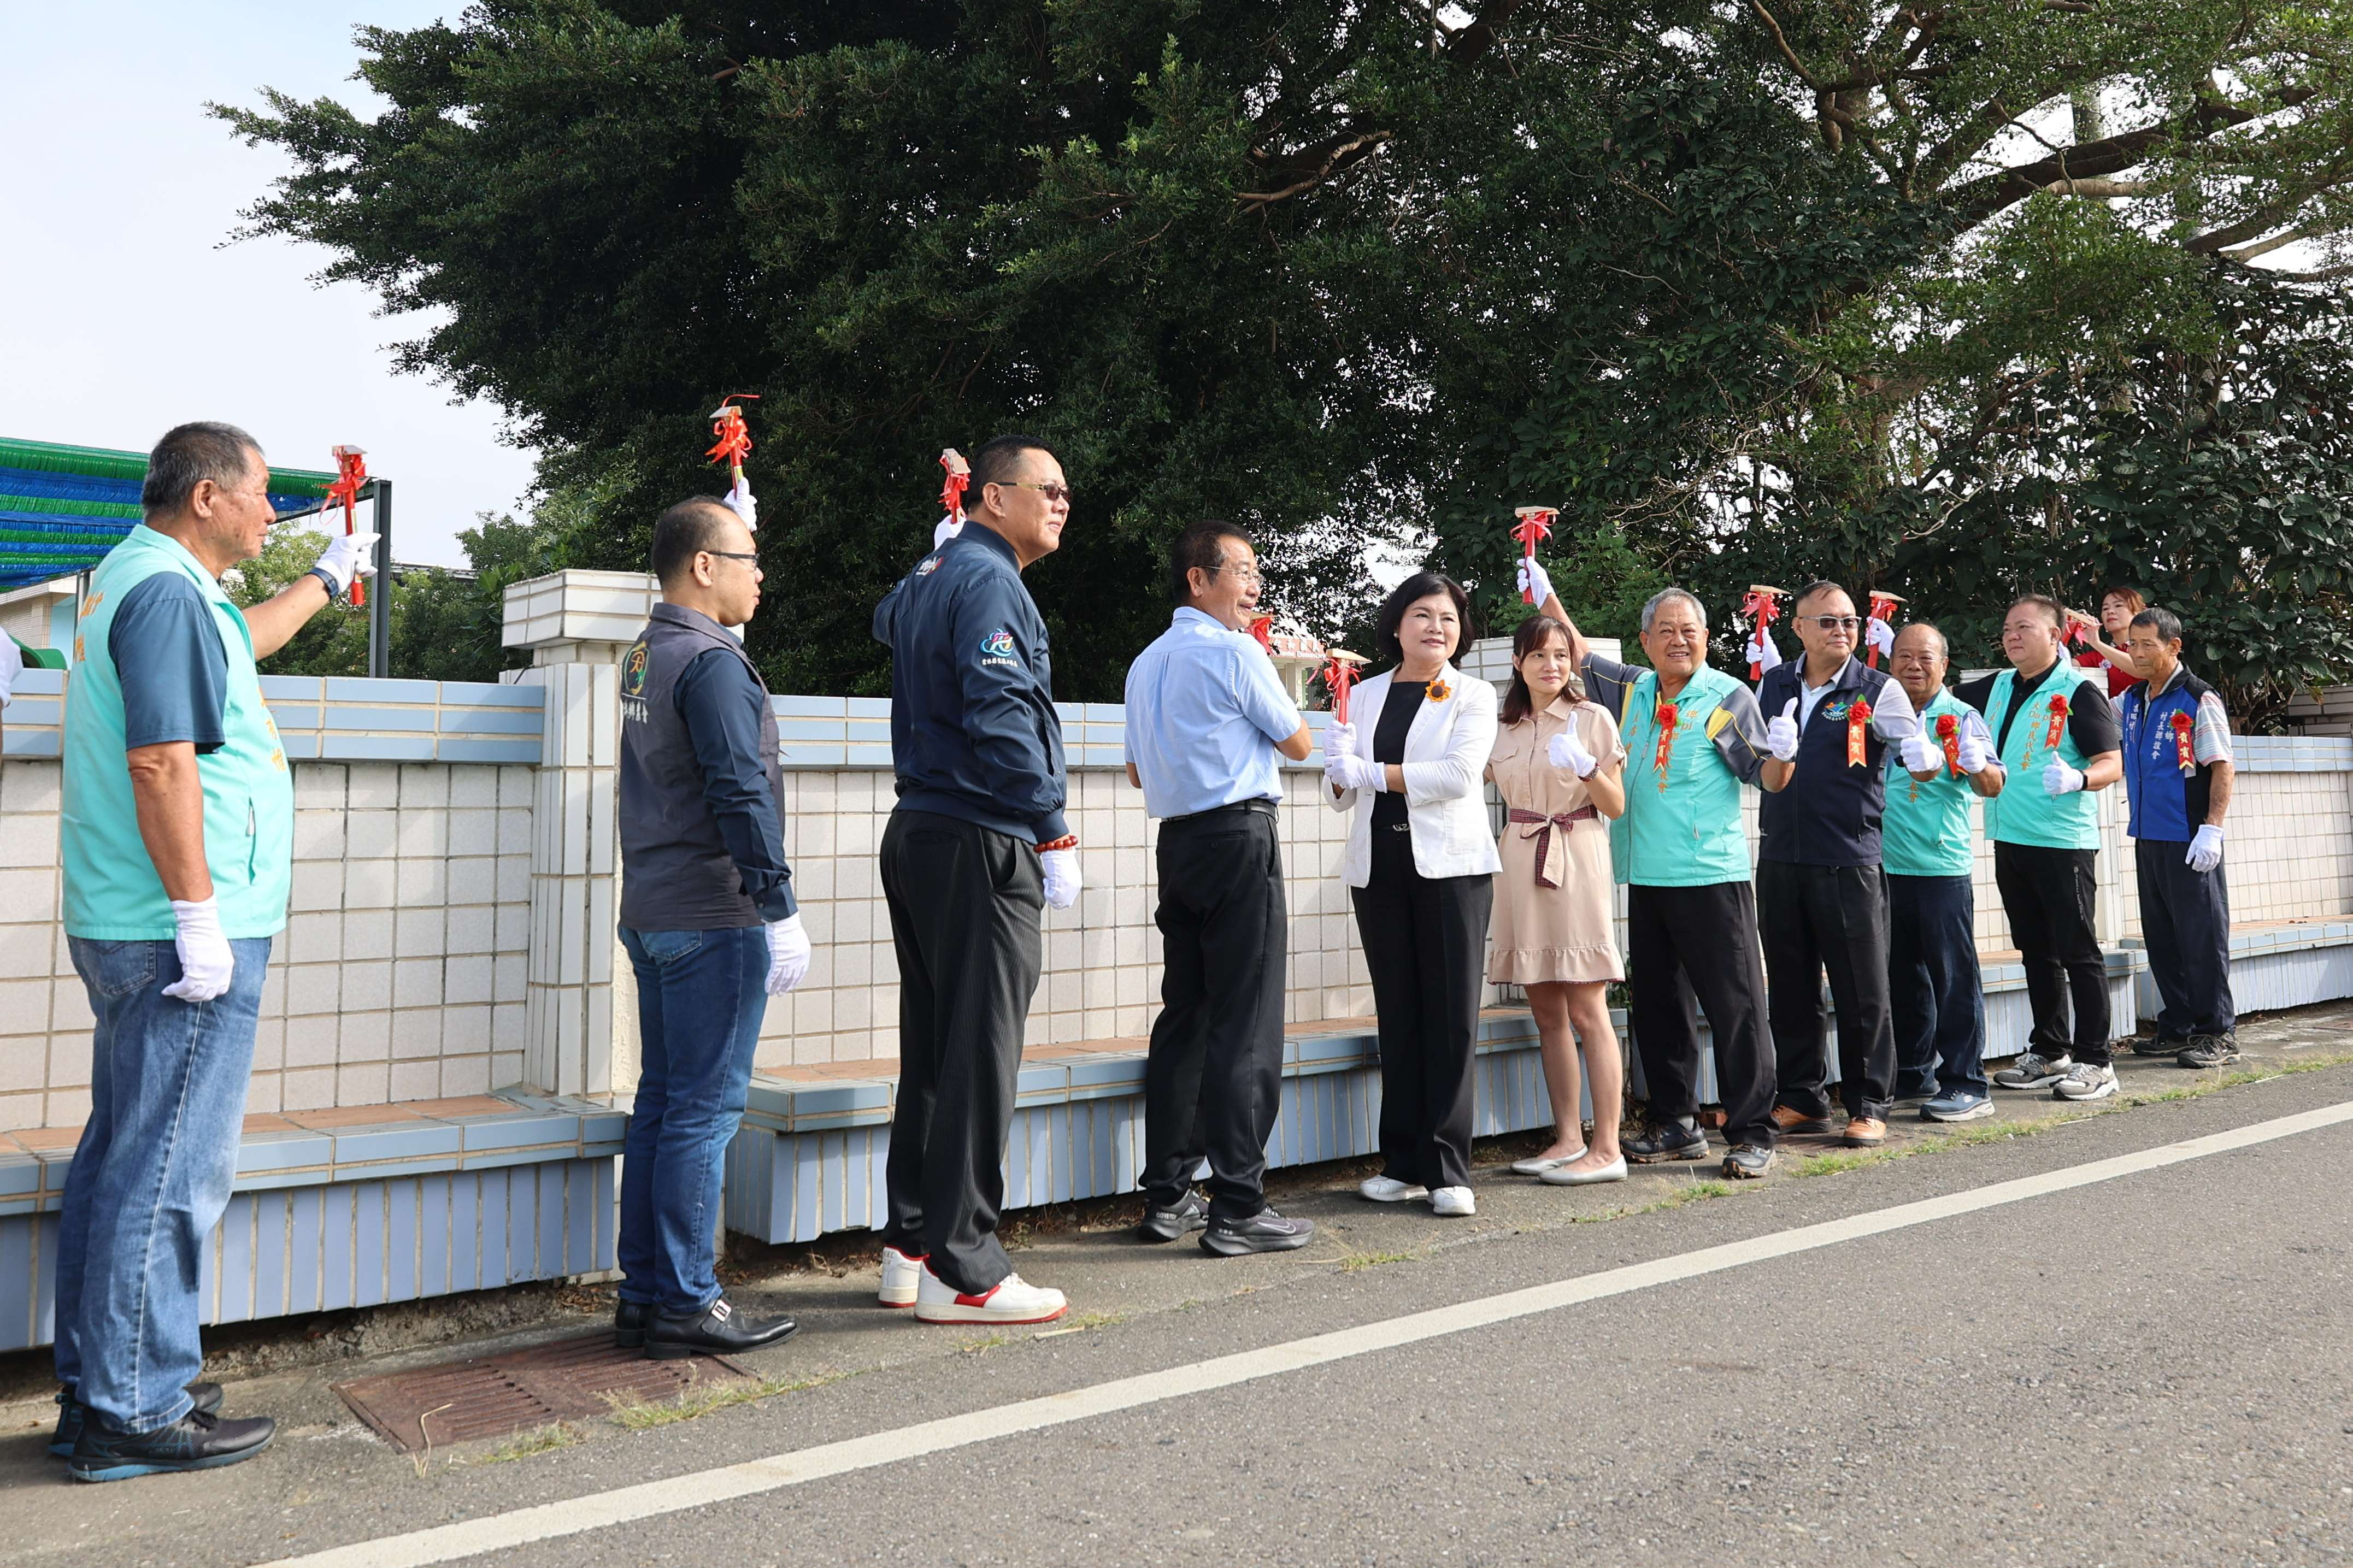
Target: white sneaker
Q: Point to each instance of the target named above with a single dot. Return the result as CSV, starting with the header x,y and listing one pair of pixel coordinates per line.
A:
x,y
2086,1080
1389,1190
1453,1203
901,1272
2033,1071
1011,1299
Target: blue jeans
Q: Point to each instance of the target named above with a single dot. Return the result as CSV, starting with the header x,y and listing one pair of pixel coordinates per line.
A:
x,y
151,1175
1933,986
700,995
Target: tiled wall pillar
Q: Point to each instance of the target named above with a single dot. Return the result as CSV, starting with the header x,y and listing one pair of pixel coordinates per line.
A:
x,y
579,1026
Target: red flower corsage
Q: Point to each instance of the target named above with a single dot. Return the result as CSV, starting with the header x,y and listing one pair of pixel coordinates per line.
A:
x,y
2184,752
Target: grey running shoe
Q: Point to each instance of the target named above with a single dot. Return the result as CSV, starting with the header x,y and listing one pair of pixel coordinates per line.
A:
x,y
1265,1231
2033,1070
1666,1140
1191,1213
2210,1051
2086,1080
1956,1105
1746,1163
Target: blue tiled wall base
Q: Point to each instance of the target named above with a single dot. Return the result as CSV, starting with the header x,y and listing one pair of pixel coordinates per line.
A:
x,y
358,1244
2281,966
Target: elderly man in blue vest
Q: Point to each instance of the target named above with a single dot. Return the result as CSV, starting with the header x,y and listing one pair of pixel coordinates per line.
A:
x,y
178,840
1822,892
708,921
2177,778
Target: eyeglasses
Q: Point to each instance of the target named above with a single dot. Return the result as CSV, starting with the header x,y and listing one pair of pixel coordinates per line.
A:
x,y
1051,492
731,555
1834,623
1239,574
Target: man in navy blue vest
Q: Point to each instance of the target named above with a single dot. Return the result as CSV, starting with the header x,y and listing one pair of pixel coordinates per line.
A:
x,y
1822,894
708,920
2177,778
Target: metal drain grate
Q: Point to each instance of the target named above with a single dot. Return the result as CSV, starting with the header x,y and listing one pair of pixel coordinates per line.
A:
x,y
490,1396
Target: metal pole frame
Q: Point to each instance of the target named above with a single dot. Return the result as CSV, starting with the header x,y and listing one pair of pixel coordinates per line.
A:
x,y
379,493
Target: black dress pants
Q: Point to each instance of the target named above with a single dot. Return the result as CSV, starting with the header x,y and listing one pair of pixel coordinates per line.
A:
x,y
966,904
1833,919
1700,944
2185,918
1213,1081
1426,943
2047,894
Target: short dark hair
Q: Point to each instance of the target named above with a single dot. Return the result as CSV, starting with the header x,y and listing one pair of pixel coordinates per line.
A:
x,y
1202,545
1818,585
187,455
694,525
2044,602
1420,585
998,460
1519,702
2162,621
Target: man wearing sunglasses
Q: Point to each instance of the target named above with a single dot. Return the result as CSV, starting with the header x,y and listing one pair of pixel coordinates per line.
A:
x,y
977,849
707,918
1821,894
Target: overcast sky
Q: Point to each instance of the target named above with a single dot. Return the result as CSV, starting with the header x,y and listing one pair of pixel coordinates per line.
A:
x,y
122,314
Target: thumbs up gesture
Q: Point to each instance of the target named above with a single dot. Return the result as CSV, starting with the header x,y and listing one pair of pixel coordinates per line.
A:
x,y
1781,734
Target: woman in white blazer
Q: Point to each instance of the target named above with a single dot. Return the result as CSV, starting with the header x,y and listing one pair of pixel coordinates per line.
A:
x,y
1420,863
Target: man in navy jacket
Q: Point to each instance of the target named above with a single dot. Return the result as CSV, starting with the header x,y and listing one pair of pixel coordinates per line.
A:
x,y
976,848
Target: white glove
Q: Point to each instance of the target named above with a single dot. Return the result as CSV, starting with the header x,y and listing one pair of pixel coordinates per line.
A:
x,y
1563,751
1532,579
1762,653
1339,741
347,555
739,501
948,529
1353,772
788,954
2060,779
1922,754
1781,733
207,964
1063,879
1975,755
1881,635
2206,849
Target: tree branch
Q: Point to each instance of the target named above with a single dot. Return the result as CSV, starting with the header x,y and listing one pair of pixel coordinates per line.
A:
x,y
1333,158
2102,189
1781,42
1478,35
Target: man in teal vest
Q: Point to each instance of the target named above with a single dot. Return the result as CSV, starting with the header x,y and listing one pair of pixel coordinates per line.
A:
x,y
1927,842
2056,735
1694,739
177,832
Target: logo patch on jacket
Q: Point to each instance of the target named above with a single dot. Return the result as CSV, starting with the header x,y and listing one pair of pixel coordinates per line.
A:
x,y
927,565
1835,711
633,671
996,647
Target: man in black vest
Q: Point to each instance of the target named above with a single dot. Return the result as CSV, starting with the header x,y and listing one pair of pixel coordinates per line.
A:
x,y
708,919
975,849
1822,894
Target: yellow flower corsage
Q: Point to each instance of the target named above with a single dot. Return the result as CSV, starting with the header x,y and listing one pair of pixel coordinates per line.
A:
x,y
1440,691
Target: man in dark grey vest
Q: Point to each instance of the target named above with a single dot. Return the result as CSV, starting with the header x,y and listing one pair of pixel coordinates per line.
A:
x,y
708,918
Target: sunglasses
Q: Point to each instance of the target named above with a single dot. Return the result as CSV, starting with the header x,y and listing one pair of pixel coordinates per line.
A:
x,y
1051,492
1834,623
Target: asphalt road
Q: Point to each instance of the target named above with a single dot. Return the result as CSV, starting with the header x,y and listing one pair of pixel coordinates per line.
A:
x,y
2147,1370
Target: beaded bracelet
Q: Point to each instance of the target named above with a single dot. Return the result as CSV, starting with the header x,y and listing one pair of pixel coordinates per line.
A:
x,y
1067,841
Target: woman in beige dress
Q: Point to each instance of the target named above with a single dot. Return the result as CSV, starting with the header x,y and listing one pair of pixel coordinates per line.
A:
x,y
1558,765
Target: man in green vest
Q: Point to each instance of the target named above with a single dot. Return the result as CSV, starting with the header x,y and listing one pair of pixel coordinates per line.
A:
x,y
1928,842
1694,740
2058,739
177,832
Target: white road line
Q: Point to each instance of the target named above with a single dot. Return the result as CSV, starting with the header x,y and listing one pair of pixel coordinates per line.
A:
x,y
623,1505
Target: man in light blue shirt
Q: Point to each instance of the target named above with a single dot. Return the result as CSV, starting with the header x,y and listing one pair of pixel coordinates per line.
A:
x,y
1206,721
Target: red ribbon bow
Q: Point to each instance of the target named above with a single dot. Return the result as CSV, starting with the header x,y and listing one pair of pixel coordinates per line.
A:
x,y
1883,608
1339,675
2058,722
2184,751
1535,522
734,441
1857,718
959,474
1762,609
1262,629
1665,719
351,473
1949,733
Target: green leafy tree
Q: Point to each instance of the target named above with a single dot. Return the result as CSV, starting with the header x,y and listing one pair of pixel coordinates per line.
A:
x,y
333,642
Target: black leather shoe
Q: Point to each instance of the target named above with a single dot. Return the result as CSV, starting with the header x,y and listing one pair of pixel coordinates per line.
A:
x,y
630,1320
1191,1213
1265,1231
70,1416
1667,1141
194,1442
715,1330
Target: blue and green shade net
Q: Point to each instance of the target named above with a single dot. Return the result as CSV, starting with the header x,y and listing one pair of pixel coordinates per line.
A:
x,y
63,508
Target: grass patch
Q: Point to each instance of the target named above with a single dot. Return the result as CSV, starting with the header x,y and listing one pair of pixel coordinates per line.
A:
x,y
1082,1322
983,1346
524,1445
642,1416
1355,1262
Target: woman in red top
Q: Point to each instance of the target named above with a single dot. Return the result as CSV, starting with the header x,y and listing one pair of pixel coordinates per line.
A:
x,y
2117,607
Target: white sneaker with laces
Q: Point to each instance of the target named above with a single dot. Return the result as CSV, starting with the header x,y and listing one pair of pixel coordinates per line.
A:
x,y
1389,1190
2033,1071
2086,1080
902,1273
1011,1299
1453,1203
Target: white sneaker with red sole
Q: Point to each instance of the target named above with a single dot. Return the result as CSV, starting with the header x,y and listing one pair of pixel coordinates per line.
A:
x,y
1011,1299
901,1273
